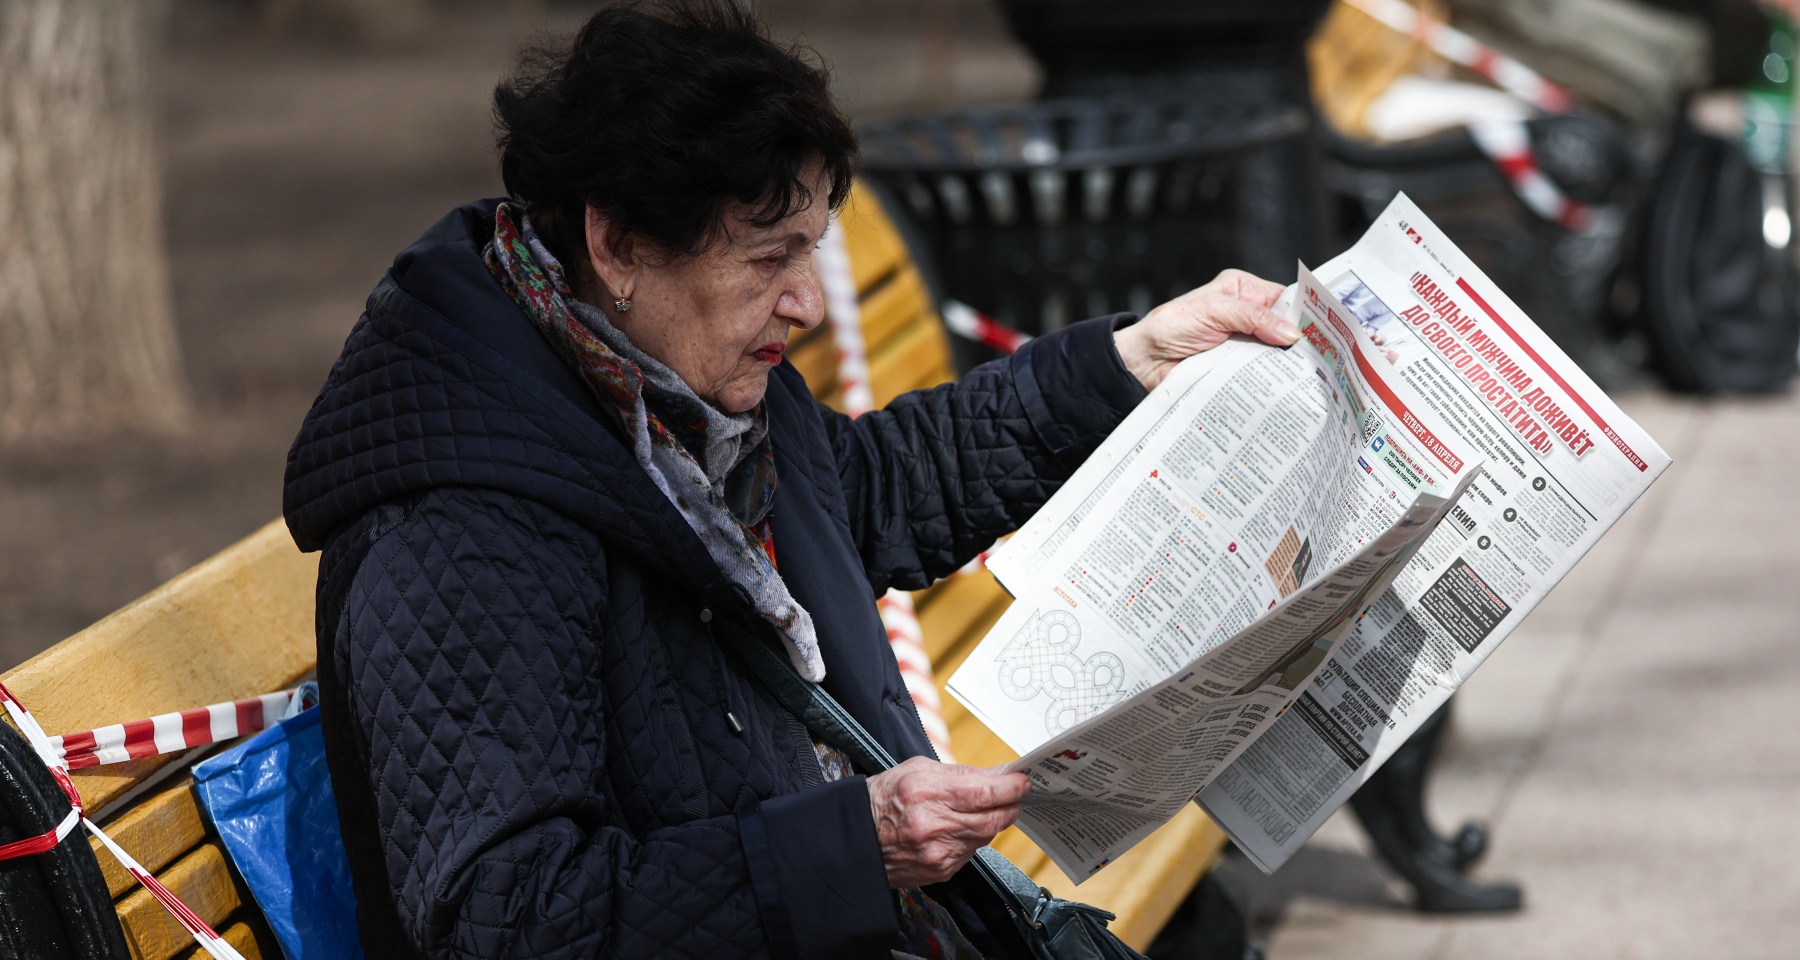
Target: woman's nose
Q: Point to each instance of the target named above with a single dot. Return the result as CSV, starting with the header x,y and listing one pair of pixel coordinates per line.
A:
x,y
803,305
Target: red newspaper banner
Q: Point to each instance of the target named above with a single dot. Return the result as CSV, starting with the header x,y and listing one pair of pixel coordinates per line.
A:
x,y
1610,433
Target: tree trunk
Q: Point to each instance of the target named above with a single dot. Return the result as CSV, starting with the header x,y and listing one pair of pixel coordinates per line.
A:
x,y
87,331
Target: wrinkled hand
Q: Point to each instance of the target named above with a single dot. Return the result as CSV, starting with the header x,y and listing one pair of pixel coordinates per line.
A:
x,y
1201,319
931,817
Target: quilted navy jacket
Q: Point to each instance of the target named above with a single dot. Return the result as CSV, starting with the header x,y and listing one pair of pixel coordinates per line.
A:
x,y
524,709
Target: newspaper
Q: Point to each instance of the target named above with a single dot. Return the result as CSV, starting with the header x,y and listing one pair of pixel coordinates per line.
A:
x,y
1284,560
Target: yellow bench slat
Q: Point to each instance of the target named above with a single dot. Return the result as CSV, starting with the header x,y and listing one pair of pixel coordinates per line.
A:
x,y
243,938
956,614
893,307
158,829
815,356
875,247
1146,884
917,357
202,881
239,624
972,741
955,654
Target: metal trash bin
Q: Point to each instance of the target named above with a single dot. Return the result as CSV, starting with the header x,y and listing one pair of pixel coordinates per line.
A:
x,y
1043,213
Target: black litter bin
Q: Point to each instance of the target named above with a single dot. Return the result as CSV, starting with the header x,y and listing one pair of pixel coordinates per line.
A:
x,y
1226,52
1043,213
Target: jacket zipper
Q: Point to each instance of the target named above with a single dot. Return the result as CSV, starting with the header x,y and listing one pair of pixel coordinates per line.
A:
x,y
802,757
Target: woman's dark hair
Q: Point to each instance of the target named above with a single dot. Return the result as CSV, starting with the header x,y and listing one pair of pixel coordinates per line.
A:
x,y
661,114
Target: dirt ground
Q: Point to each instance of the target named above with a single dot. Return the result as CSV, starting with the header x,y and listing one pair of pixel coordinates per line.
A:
x,y
296,169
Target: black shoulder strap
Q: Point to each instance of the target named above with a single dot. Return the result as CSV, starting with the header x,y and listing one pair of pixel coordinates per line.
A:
x,y
830,722
822,714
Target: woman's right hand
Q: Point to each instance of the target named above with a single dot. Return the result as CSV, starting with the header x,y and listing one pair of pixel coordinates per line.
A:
x,y
931,817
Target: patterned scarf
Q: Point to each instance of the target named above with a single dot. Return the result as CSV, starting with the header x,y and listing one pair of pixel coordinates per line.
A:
x,y
725,499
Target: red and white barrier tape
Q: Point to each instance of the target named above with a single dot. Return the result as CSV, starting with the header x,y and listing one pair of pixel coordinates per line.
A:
x,y
971,324
980,562
34,735
203,934
1460,48
908,640
897,614
171,732
844,313
1508,145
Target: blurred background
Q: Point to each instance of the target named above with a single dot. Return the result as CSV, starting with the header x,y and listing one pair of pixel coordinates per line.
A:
x,y
196,196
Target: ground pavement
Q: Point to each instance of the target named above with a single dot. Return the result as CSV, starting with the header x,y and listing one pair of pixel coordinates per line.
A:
x,y
1632,745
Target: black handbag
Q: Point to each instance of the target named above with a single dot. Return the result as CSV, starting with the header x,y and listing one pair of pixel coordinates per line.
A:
x,y
1050,927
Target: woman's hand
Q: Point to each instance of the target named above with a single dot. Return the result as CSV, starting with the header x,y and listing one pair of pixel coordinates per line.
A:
x,y
931,817
1201,319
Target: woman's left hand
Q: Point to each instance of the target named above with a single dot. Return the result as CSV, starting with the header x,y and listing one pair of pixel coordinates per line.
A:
x,y
1201,319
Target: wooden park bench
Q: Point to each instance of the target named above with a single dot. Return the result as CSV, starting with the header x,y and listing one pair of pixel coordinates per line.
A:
x,y
238,625
241,624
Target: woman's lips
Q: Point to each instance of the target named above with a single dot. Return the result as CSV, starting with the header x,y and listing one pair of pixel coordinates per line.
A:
x,y
770,353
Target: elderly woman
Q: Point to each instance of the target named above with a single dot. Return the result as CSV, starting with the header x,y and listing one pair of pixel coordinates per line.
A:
x,y
561,447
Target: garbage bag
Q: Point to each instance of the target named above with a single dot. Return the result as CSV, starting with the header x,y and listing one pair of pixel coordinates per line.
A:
x,y
270,800
1721,297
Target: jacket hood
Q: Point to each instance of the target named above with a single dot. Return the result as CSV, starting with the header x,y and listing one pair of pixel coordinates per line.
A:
x,y
445,382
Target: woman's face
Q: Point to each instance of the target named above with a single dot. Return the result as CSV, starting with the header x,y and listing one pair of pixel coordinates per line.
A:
x,y
721,320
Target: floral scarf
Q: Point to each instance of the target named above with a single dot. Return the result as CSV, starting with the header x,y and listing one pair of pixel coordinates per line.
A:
x,y
724,500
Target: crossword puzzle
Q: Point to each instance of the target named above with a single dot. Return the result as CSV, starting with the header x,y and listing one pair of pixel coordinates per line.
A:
x,y
1041,660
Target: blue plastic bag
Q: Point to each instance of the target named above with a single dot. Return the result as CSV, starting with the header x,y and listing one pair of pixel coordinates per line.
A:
x,y
270,800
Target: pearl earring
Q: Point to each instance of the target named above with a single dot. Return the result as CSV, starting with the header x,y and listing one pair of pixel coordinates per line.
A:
x,y
623,305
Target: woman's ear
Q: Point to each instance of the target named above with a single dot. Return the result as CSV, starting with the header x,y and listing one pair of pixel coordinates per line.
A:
x,y
611,257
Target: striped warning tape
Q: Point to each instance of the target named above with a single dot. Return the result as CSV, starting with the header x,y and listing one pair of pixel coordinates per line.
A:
x,y
980,562
896,607
1508,143
1460,48
51,754
844,313
971,324
34,735
202,932
908,641
171,732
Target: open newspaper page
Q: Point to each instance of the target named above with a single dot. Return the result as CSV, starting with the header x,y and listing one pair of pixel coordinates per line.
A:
x,y
1192,577
1562,463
